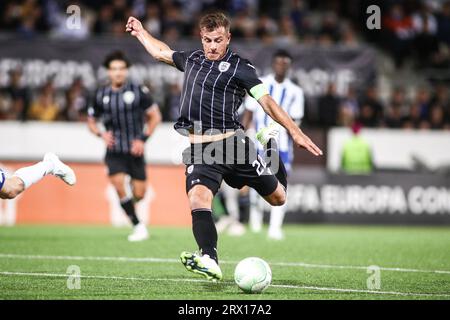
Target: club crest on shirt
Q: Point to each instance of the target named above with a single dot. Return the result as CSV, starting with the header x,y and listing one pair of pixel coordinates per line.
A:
x,y
105,99
224,66
128,97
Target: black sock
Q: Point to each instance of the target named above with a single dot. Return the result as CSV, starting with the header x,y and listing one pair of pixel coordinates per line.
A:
x,y
281,174
128,206
205,232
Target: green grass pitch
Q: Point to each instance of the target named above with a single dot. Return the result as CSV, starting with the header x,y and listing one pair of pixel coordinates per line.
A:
x,y
313,262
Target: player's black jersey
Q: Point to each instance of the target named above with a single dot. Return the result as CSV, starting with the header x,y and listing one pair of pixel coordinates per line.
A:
x,y
122,112
212,90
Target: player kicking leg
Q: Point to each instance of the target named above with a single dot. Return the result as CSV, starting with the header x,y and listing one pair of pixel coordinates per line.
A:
x,y
202,182
23,178
267,137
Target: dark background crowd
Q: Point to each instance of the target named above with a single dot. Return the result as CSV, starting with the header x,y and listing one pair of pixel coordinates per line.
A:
x,y
412,31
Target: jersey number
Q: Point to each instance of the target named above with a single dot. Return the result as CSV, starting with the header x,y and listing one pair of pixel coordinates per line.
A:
x,y
260,165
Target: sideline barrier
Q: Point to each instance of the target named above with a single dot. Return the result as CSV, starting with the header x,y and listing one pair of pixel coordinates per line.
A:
x,y
93,201
383,197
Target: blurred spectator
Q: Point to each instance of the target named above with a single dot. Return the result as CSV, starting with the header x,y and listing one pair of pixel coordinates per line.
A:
x,y
437,118
441,96
76,102
356,154
270,7
400,33
152,20
138,8
330,28
414,120
397,109
103,24
266,25
328,107
287,34
173,24
243,26
425,28
371,109
348,37
32,18
298,12
422,100
349,108
417,114
45,107
443,24
121,11
18,96
10,15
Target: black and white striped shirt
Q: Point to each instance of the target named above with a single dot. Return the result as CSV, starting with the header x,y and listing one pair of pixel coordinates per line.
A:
x,y
212,91
122,112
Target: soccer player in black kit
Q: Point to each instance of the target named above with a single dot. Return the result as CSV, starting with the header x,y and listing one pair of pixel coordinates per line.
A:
x,y
129,116
215,82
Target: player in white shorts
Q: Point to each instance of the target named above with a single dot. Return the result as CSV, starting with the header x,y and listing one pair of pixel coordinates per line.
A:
x,y
11,187
290,97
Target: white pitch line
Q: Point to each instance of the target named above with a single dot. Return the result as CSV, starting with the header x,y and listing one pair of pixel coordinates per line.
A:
x,y
342,290
163,260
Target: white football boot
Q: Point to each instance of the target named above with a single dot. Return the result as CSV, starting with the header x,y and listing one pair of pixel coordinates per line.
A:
x,y
236,229
140,233
223,223
267,133
60,170
201,264
275,234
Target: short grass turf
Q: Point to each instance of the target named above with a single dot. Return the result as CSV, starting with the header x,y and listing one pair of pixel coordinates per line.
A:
x,y
313,262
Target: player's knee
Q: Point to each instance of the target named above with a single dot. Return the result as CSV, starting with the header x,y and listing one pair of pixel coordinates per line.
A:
x,y
199,198
278,199
12,191
138,196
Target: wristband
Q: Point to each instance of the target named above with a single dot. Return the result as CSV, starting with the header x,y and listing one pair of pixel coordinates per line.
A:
x,y
143,137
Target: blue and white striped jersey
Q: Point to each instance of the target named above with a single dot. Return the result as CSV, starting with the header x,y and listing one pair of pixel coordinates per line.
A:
x,y
291,98
2,178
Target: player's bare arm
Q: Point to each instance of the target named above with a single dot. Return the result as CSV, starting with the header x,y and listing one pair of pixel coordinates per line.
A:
x,y
107,136
153,116
281,116
157,49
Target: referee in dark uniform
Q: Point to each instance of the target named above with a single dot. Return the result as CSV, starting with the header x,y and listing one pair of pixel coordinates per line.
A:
x,y
215,81
129,116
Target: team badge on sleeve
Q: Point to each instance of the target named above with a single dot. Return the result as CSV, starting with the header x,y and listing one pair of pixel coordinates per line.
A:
x,y
224,66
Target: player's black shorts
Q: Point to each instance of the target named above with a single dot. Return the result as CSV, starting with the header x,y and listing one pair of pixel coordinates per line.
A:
x,y
125,163
225,160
